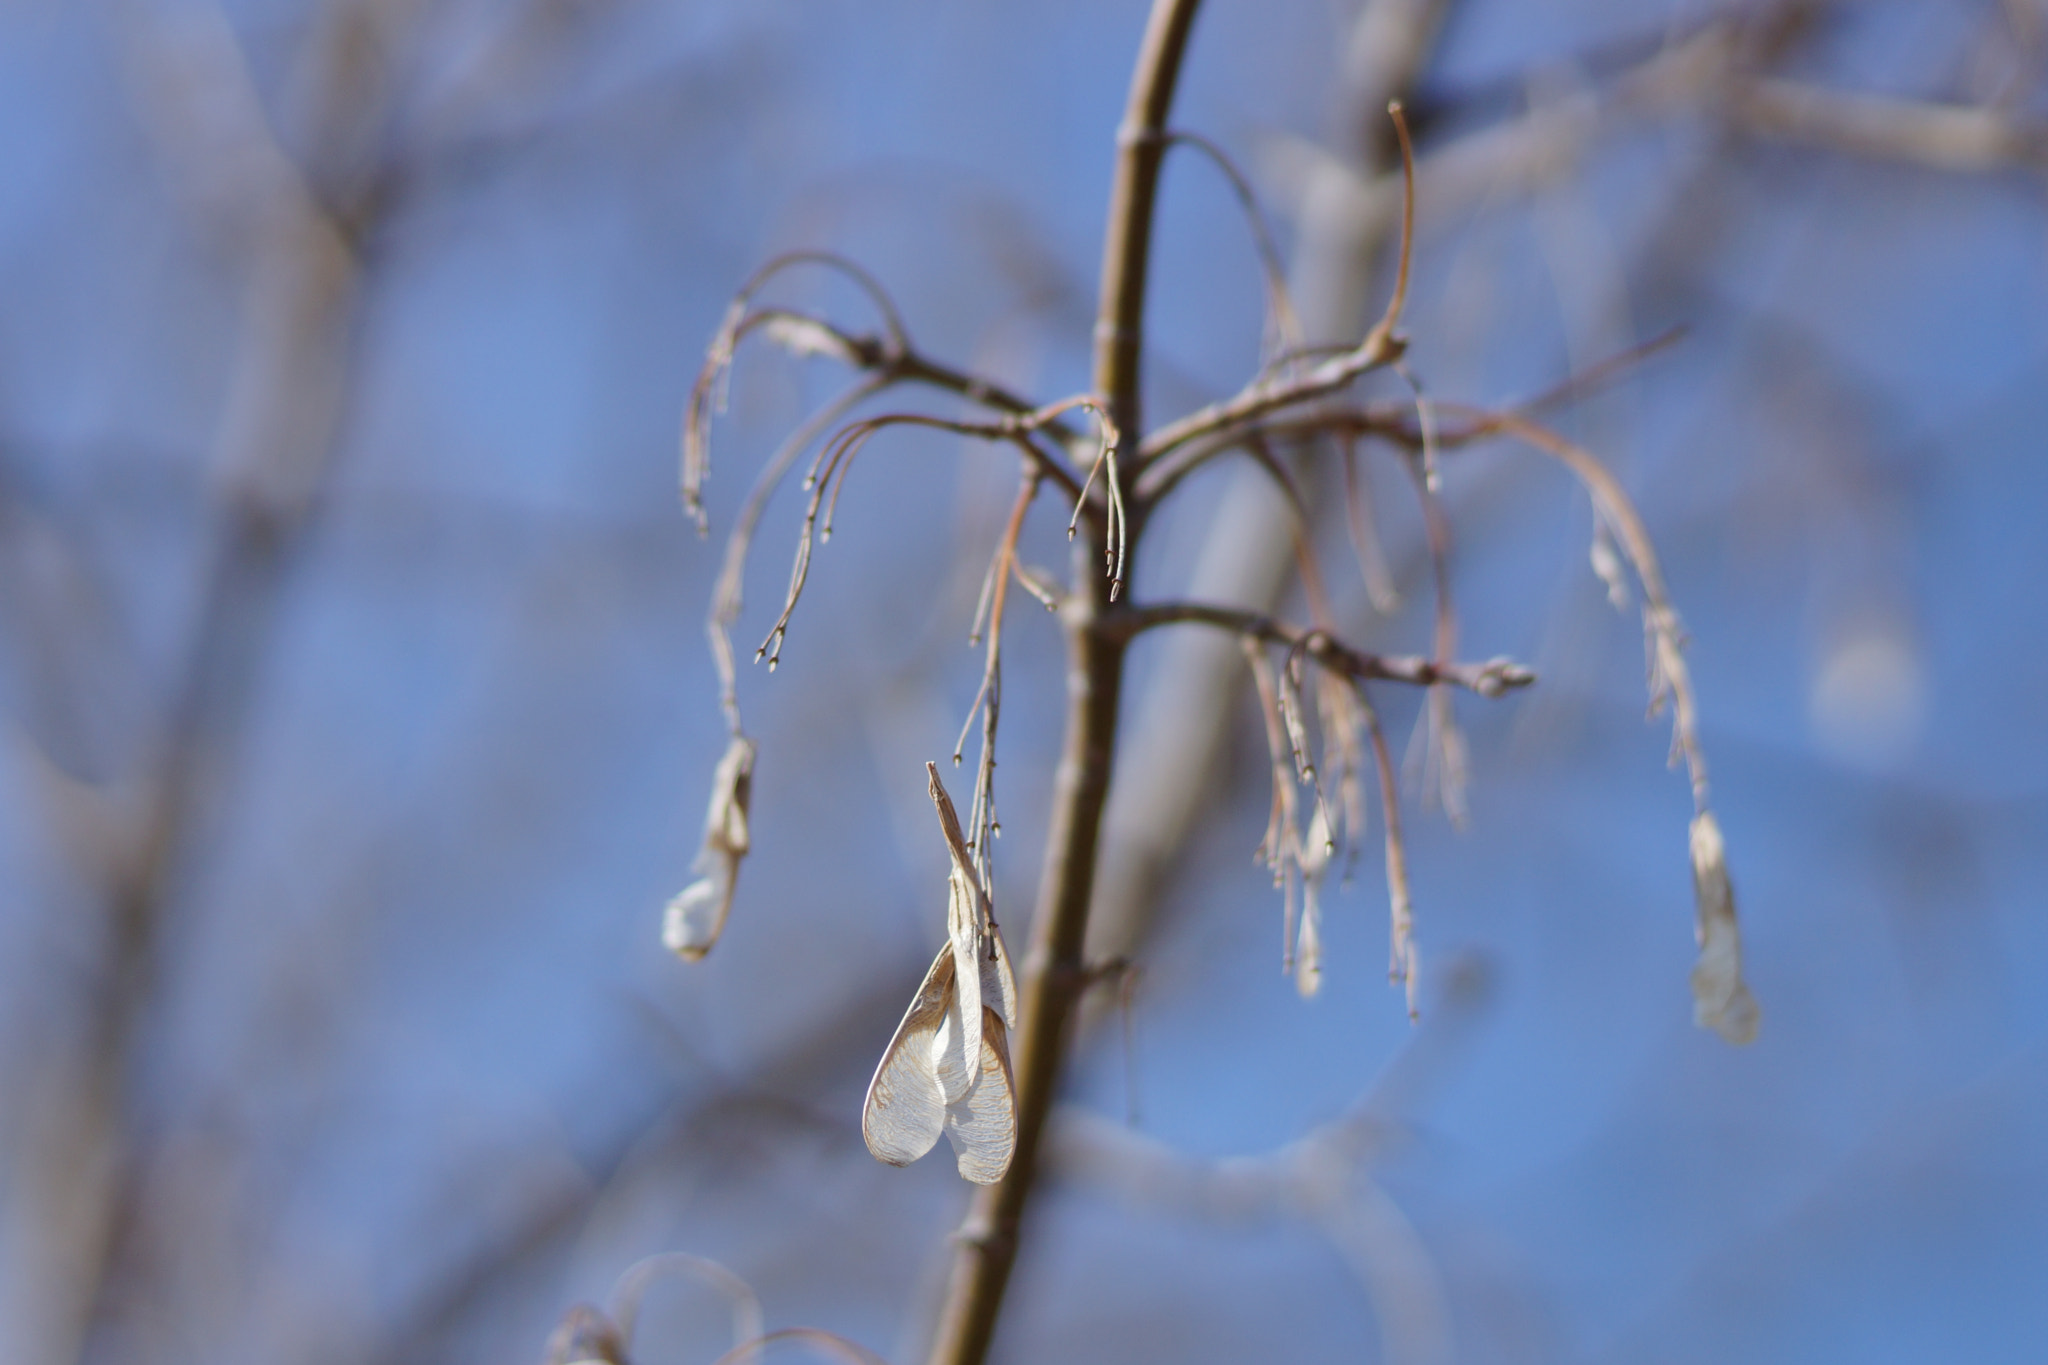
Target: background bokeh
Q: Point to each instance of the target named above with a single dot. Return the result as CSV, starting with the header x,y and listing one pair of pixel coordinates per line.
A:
x,y
359,719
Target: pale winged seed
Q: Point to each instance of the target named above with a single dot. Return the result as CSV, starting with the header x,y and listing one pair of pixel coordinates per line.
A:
x,y
1453,762
1721,1000
905,1108
695,918
1308,948
949,1053
947,1069
970,924
1297,726
997,978
964,939
982,1124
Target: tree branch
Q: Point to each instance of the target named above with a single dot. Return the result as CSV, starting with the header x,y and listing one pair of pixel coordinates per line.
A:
x,y
1053,973
1488,679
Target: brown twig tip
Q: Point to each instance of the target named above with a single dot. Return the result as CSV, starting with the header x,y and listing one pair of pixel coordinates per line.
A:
x,y
1385,342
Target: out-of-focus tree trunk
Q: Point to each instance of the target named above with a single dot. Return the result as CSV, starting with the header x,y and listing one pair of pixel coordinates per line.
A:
x,y
84,1228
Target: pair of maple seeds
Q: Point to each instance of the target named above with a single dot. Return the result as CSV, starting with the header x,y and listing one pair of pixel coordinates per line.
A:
x,y
947,1069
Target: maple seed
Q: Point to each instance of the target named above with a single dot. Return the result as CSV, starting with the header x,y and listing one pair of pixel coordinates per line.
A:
x,y
694,919
947,1069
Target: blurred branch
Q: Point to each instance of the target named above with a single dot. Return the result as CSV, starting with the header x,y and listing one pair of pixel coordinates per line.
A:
x,y
643,1152
747,1323
278,435
1322,1177
1717,69
1941,137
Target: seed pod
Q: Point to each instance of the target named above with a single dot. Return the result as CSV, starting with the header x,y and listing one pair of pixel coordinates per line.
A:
x,y
696,918
947,1068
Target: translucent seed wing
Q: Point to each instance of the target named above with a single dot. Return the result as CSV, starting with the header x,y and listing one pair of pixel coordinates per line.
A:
x,y
949,1055
1308,947
905,1107
694,919
963,924
997,979
982,1126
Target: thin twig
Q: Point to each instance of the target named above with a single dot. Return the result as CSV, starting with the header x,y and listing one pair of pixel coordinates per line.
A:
x,y
1488,679
746,1305
728,596
1280,849
983,826
1447,746
1115,521
827,477
1389,421
1385,334
889,358
1365,539
707,395
1261,397
1382,346
1403,967
1285,322
1664,634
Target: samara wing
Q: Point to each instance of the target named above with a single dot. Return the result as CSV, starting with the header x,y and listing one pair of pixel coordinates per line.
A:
x,y
982,1124
905,1108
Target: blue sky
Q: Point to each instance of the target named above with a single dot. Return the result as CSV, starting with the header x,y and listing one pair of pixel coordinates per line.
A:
x,y
411,1028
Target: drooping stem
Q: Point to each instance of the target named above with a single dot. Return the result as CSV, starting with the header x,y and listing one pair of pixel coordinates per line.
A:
x,y
1054,973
